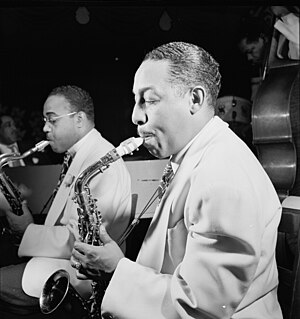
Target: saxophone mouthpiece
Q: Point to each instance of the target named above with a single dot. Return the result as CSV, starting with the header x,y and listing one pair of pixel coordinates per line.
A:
x,y
137,142
41,145
129,145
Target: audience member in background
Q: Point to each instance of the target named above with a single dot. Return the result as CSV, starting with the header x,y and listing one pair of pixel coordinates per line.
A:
x,y
70,128
210,249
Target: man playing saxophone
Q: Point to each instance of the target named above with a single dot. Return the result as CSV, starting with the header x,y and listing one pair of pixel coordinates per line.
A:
x,y
209,251
69,127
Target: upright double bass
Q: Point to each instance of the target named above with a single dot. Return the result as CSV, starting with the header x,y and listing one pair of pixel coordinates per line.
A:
x,y
276,122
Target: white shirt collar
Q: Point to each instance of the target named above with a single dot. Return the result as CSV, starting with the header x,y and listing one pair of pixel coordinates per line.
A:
x,y
74,148
176,159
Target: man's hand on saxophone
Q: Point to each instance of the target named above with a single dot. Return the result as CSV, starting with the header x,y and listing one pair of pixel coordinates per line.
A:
x,y
25,192
18,224
96,261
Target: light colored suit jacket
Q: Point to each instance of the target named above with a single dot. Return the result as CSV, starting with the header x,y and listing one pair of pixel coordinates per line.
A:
x,y
51,244
209,251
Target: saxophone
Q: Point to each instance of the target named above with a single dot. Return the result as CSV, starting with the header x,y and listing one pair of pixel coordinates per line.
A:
x,y
57,287
9,190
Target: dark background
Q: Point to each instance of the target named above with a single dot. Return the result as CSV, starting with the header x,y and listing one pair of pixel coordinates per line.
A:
x,y
42,46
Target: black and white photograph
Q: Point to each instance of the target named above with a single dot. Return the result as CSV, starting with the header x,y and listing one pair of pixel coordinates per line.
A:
x,y
149,159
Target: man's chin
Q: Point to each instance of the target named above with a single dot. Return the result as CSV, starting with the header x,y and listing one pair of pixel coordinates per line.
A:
x,y
155,148
155,152
55,149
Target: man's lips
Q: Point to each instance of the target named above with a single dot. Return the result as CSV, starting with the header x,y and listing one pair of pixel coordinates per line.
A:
x,y
146,136
149,141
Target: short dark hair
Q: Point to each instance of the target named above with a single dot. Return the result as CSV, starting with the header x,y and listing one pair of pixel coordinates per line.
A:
x,y
79,99
2,114
190,65
253,28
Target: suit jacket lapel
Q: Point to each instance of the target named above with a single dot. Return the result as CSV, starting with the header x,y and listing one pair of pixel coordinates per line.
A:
x,y
166,214
171,207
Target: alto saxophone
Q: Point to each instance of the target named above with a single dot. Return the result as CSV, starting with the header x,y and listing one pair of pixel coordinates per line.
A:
x,y
9,190
57,286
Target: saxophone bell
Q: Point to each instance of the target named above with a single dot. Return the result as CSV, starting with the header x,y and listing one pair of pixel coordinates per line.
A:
x,y
54,291
59,293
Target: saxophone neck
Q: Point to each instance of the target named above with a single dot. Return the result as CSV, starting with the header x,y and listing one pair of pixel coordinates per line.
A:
x,y
125,148
5,158
37,148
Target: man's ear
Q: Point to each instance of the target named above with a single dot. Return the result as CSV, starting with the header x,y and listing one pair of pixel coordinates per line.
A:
x,y
80,116
197,98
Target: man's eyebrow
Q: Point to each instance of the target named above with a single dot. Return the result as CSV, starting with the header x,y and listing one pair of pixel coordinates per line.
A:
x,y
50,113
143,90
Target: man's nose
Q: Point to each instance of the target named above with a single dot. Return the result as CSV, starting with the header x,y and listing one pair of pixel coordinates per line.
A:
x,y
139,116
46,127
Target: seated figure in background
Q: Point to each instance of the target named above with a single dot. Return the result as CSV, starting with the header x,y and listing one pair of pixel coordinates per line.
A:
x,y
9,138
9,143
69,126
